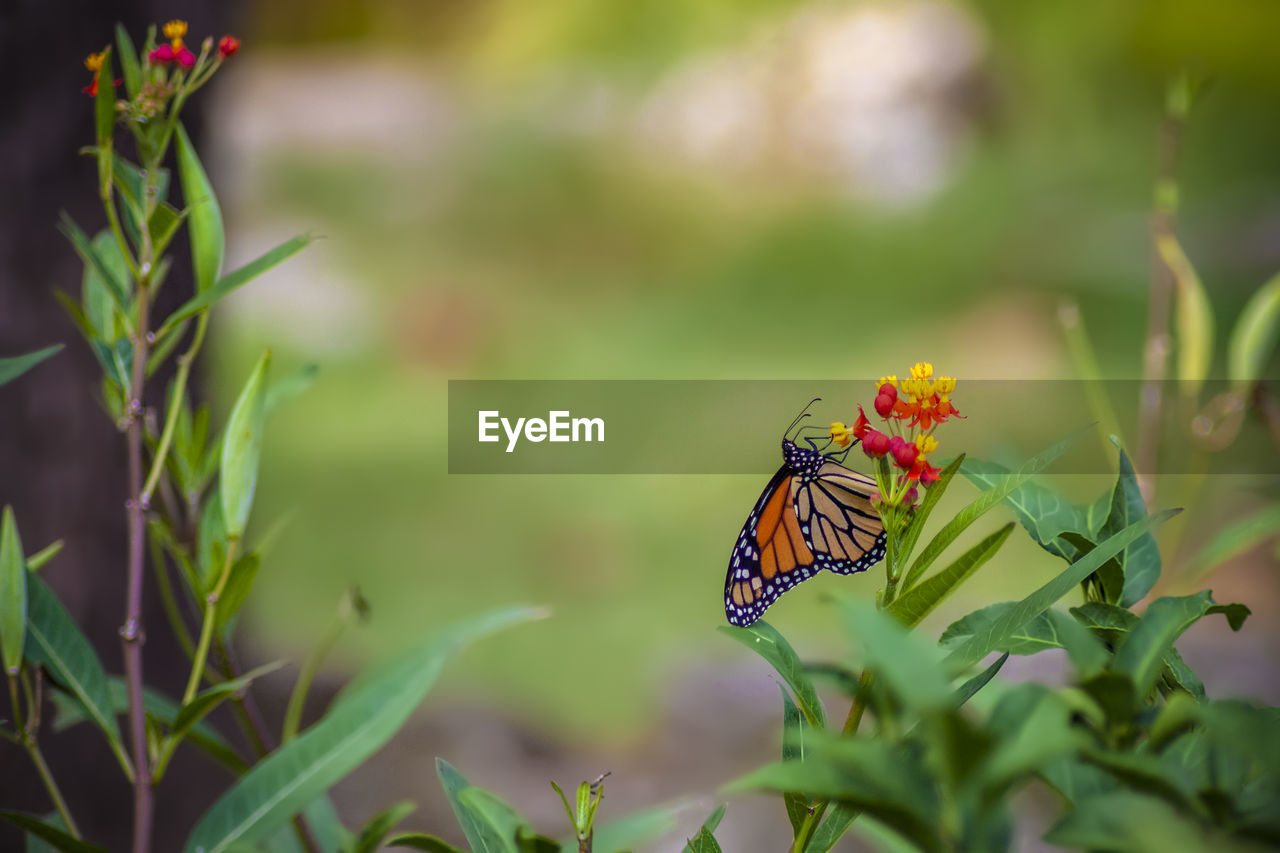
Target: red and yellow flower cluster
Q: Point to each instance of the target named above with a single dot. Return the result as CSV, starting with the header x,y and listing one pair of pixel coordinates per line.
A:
x,y
173,51
911,410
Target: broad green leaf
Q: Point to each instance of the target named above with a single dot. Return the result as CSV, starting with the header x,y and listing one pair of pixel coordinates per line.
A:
x,y
42,830
54,641
1075,780
1030,727
1236,539
200,706
1145,772
703,842
322,820
905,661
1114,694
920,600
12,368
997,634
1129,821
1179,715
375,832
13,593
932,495
1235,613
837,822
887,781
1110,575
1140,560
1140,654
360,721
241,447
1042,512
204,218
421,841
72,712
1193,317
764,640
116,285
1035,636
128,61
1245,729
1111,623
1087,653
984,502
795,732
233,281
475,829
1254,337
239,582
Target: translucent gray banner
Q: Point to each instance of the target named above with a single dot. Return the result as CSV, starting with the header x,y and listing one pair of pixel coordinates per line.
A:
x,y
736,426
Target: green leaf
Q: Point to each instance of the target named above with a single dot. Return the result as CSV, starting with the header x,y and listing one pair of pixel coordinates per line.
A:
x,y
284,390
360,721
904,660
500,824
241,447
164,223
421,841
1110,575
239,582
1111,623
1141,560
374,833
1035,636
1254,337
203,703
128,61
1193,317
920,600
59,839
932,495
764,640
115,284
475,829
703,842
1077,781
1128,821
13,593
204,218
887,781
970,688
233,281
12,368
1042,512
795,731
998,633
984,502
322,819
1235,613
54,641
837,822
1087,653
1146,773
1030,727
1140,654
41,558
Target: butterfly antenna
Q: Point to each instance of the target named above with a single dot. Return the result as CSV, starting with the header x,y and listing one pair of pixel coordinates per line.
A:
x,y
804,413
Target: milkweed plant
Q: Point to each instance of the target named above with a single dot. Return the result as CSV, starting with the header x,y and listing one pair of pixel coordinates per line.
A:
x,y
1137,756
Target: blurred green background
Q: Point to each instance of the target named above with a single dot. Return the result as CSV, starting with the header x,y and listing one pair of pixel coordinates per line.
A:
x,y
710,189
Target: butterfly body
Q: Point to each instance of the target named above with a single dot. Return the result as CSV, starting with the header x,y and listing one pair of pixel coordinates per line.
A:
x,y
814,514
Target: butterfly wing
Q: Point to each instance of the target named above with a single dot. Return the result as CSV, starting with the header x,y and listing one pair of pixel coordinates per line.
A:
x,y
840,526
770,555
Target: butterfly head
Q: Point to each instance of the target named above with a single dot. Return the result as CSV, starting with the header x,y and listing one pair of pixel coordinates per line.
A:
x,y
803,460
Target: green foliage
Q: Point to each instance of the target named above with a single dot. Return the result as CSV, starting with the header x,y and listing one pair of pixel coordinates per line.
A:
x,y
764,640
1254,337
204,217
241,447
57,838
13,593
12,368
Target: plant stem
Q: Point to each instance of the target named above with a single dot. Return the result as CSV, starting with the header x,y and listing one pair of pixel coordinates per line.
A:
x,y
206,629
29,743
179,395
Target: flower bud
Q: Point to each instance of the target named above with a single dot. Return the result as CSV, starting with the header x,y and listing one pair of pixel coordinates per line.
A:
x,y
228,45
185,57
162,55
875,443
904,453
884,404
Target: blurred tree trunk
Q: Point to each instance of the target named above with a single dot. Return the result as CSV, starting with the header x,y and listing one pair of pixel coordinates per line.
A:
x,y
62,461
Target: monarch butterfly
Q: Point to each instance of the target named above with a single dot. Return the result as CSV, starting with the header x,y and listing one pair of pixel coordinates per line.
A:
x,y
814,514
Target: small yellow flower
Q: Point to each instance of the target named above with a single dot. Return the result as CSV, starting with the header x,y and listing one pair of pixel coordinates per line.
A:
x,y
886,380
93,61
841,434
926,444
175,29
944,386
922,370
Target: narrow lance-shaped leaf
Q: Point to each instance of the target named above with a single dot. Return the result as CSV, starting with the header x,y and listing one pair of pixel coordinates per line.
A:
x,y
1043,512
1254,336
128,61
54,836
375,832
203,215
932,495
474,827
921,599
422,841
764,640
361,720
115,284
12,368
200,706
1141,560
233,281
241,447
13,593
